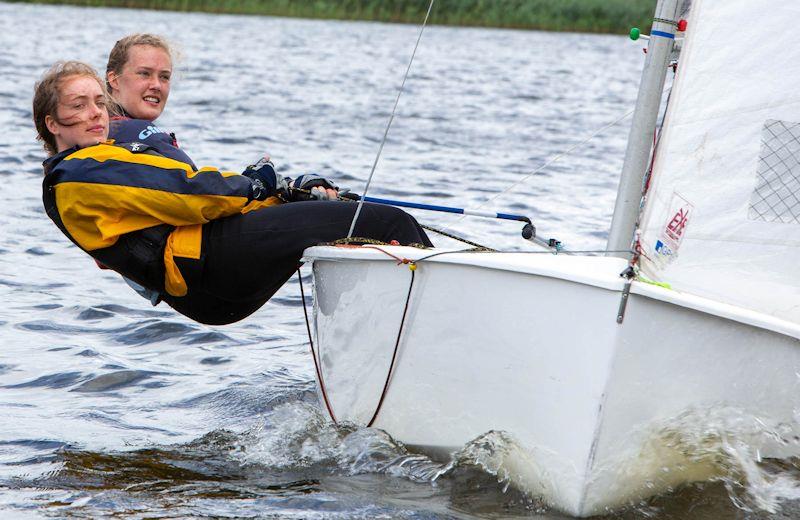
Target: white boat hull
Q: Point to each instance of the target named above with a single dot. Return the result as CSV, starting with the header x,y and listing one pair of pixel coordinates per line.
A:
x,y
584,398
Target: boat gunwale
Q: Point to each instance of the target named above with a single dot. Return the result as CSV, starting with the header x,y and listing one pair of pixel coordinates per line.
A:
x,y
551,265
565,267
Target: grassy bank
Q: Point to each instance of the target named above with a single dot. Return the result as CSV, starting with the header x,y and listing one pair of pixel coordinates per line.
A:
x,y
608,16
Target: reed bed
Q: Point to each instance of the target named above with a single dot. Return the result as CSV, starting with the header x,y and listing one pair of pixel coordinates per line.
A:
x,y
605,16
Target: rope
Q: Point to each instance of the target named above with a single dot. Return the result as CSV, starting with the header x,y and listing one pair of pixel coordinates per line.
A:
x,y
323,390
357,241
389,124
385,390
458,238
412,265
313,353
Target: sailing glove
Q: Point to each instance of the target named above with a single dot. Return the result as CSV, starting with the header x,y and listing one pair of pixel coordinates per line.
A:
x,y
311,186
266,181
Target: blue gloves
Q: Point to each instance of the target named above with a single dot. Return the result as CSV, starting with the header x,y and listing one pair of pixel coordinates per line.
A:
x,y
266,181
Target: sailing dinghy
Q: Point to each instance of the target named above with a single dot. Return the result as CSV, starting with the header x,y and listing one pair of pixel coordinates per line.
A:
x,y
592,361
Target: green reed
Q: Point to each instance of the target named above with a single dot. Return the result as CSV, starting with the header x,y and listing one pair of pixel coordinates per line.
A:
x,y
609,16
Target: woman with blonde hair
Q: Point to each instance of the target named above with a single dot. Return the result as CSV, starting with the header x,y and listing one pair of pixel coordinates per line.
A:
x,y
139,77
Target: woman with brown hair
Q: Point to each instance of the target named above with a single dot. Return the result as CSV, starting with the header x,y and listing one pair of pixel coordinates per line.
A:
x,y
214,245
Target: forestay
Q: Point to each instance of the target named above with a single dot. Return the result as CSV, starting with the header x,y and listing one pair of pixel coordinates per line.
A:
x,y
722,216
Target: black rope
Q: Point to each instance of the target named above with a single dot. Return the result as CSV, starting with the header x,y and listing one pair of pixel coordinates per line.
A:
x,y
456,237
396,347
313,352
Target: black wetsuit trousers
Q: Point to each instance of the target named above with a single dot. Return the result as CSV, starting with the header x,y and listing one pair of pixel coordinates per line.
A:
x,y
246,258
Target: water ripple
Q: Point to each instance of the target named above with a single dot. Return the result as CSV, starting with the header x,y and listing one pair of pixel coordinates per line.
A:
x,y
57,380
113,381
154,331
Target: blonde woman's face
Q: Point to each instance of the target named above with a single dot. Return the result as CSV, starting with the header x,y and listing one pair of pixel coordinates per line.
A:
x,y
82,116
143,86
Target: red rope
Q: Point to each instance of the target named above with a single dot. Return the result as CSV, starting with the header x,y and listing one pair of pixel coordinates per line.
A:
x,y
387,253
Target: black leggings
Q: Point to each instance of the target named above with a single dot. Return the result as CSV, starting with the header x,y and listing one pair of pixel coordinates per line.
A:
x,y
246,258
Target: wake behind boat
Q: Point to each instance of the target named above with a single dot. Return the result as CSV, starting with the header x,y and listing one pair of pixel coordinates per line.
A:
x,y
582,360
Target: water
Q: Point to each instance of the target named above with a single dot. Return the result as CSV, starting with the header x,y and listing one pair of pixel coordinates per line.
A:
x,y
112,407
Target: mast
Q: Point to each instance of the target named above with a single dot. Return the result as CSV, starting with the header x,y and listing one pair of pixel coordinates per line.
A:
x,y
637,155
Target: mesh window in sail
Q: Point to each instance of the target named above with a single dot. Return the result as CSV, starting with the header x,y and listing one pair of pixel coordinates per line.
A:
x,y
777,194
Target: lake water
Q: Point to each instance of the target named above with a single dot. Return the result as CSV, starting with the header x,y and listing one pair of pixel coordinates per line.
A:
x,y
111,407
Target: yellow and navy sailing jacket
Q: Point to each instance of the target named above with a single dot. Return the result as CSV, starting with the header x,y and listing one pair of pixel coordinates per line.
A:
x,y
123,203
124,129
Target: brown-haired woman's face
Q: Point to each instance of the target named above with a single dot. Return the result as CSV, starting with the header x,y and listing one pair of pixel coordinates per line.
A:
x,y
82,116
143,86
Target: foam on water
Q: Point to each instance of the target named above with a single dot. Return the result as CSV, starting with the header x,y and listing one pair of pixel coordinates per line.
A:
x,y
297,435
721,444
295,450
731,446
725,445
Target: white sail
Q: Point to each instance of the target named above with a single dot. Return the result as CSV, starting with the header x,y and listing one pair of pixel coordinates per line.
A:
x,y
722,216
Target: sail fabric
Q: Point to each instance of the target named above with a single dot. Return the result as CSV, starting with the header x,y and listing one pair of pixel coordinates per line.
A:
x,y
721,217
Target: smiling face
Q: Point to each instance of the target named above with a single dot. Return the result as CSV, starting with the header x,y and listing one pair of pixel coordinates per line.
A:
x,y
142,87
81,117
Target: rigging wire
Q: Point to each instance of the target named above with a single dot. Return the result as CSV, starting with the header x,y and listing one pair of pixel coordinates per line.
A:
x,y
391,118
